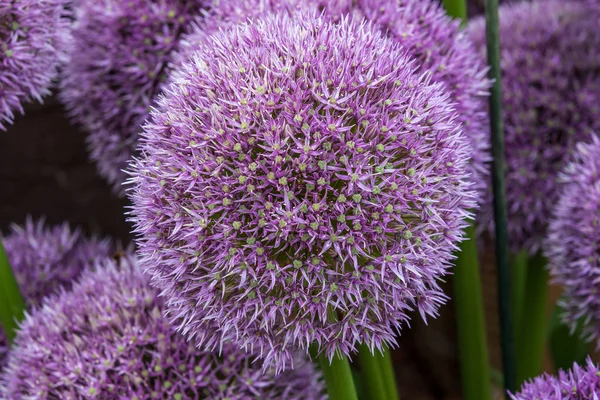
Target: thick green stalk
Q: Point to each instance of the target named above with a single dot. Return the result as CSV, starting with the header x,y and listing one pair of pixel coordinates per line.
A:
x,y
501,240
470,320
387,370
371,372
518,275
457,9
378,374
532,330
12,305
338,378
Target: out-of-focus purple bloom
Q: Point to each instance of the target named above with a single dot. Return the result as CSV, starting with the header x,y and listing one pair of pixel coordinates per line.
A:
x,y
551,101
33,35
578,383
420,26
300,185
573,243
117,63
109,339
45,259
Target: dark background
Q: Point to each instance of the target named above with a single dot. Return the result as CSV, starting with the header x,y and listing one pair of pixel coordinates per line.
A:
x,y
44,171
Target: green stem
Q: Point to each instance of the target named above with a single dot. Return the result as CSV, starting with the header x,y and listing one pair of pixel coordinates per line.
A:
x,y
518,275
457,9
468,298
378,373
12,305
387,370
532,331
338,378
566,348
500,218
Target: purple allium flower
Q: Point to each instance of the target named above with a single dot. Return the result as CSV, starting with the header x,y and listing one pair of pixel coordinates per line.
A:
x,y
573,243
33,35
109,339
551,101
299,185
118,58
424,31
45,259
578,383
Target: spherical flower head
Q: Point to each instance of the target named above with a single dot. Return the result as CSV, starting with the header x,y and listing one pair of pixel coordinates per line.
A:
x,y
117,64
45,259
578,383
573,242
551,101
421,27
223,14
108,339
299,185
33,36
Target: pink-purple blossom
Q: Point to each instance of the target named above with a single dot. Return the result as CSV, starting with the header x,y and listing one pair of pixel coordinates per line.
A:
x,y
551,101
299,184
108,339
33,35
47,258
421,27
578,383
117,64
573,242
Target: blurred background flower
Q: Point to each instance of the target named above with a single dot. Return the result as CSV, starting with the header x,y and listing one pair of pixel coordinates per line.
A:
x,y
551,101
47,258
573,243
33,36
117,64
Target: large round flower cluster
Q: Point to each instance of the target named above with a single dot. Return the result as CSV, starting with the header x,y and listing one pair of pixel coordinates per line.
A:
x,y
578,383
33,36
421,27
117,63
573,243
299,185
45,259
108,339
551,101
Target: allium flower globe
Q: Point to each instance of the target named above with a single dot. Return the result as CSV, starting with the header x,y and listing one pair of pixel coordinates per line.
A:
x,y
45,259
421,27
118,59
108,339
33,35
573,243
551,101
578,383
299,185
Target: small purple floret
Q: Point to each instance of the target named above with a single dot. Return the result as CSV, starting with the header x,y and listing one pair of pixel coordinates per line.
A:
x,y
578,383
33,36
300,185
109,339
